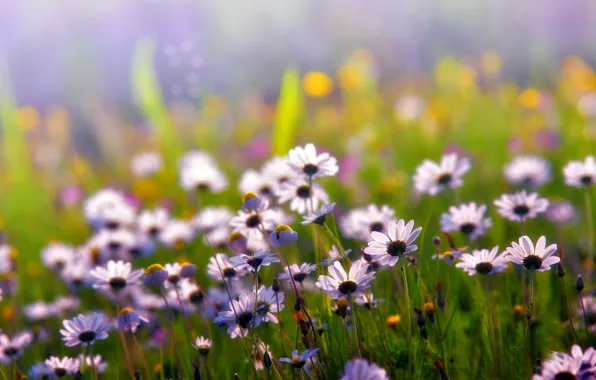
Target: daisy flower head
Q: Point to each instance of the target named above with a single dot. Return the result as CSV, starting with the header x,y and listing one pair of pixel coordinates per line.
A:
x,y
283,235
560,212
368,301
304,198
176,234
297,272
468,219
56,256
107,244
240,317
251,223
152,222
298,360
387,249
155,275
359,223
537,257
334,255
202,175
39,310
432,178
62,366
12,348
220,266
267,302
203,345
305,162
361,369
563,366
520,206
84,329
129,320
319,216
253,181
174,278
95,362
278,169
341,284
145,164
580,174
214,223
254,262
533,171
483,262
106,201
116,276
40,370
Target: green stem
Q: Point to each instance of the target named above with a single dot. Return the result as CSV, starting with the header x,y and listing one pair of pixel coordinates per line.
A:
x,y
590,221
408,319
355,322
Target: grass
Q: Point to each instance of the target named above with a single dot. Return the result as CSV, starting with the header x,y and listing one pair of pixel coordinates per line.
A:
x,y
477,334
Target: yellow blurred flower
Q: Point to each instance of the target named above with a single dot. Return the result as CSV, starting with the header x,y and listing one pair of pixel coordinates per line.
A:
x,y
491,63
350,77
147,189
8,313
529,98
79,166
28,118
317,84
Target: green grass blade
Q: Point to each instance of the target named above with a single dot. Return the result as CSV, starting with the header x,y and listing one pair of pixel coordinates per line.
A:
x,y
289,111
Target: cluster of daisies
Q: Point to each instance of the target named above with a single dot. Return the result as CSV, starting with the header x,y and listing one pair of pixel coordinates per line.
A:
x,y
258,235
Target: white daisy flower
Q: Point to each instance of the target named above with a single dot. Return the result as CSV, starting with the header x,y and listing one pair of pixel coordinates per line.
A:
x,y
304,161
298,273
334,255
151,222
528,170
56,256
198,175
107,244
341,284
368,301
319,216
107,201
563,366
432,178
303,198
410,107
65,304
6,258
85,329
95,362
220,265
253,181
560,212
240,316
174,276
359,223
203,345
361,369
62,366
39,310
539,257
267,304
483,262
214,223
278,169
251,223
468,219
176,234
190,292
254,262
76,272
12,348
580,174
298,360
588,357
387,249
145,164
116,276
520,206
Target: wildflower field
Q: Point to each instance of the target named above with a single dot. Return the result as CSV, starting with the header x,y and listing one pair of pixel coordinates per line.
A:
x,y
431,226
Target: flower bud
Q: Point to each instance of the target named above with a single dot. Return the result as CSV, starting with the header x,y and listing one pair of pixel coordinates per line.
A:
x,y
579,283
275,286
342,307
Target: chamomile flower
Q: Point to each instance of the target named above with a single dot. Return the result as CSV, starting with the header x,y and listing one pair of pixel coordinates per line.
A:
x,y
84,329
174,276
191,293
432,178
361,369
483,262
12,348
116,276
278,169
303,198
304,161
104,202
319,216
95,362
468,219
176,234
240,317
62,366
334,255
298,360
297,272
563,366
254,262
203,345
528,170
580,174
254,181
111,244
359,223
214,223
341,284
537,257
251,223
267,304
387,249
56,256
220,265
588,357
145,164
152,222
520,206
560,212
202,176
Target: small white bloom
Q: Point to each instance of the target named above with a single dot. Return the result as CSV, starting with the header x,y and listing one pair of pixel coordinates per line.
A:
x,y
483,262
468,219
84,329
580,174
151,222
361,369
360,222
116,276
432,178
387,249
341,284
146,164
240,317
297,273
176,234
520,206
303,198
528,170
538,258
304,161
